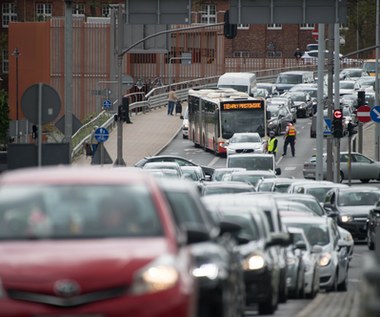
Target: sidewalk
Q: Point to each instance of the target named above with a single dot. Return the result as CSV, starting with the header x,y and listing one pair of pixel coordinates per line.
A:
x,y
148,135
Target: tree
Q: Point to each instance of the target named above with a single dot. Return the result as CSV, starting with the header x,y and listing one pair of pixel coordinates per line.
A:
x,y
4,117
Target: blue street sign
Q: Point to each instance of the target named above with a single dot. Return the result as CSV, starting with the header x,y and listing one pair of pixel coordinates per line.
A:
x,y
107,104
101,135
375,114
327,126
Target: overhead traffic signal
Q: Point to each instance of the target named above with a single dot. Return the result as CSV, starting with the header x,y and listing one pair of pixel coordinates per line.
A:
x,y
230,30
337,123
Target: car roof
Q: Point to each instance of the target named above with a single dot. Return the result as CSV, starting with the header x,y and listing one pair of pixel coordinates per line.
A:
x,y
227,184
251,155
255,172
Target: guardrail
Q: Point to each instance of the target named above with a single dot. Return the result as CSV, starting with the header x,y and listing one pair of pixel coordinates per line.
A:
x,y
158,97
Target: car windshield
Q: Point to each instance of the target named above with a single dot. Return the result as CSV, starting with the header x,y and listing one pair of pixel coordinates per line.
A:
x,y
317,234
273,111
364,198
346,85
281,187
313,205
318,192
249,227
298,97
289,79
245,138
211,190
77,212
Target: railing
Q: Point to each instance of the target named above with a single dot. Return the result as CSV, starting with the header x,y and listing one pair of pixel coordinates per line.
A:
x,y
158,97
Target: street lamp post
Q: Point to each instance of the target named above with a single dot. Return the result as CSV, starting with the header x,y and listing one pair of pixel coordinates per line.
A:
x,y
16,53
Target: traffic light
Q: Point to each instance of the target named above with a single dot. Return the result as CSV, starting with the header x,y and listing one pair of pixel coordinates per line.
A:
x,y
337,123
123,111
351,129
361,98
34,131
230,30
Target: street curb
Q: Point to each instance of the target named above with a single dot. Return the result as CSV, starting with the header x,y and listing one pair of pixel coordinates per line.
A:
x,y
167,144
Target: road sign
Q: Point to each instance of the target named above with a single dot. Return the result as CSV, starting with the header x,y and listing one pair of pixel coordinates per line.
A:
x,y
107,104
363,114
375,114
327,128
101,135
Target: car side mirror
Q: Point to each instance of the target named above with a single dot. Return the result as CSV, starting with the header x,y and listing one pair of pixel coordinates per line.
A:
x,y
196,234
300,245
280,239
277,171
229,227
269,115
342,243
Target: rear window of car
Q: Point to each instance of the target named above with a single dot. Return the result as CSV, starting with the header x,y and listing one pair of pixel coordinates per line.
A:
x,y
77,212
251,163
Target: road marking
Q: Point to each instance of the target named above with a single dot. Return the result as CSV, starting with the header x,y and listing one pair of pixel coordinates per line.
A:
x,y
290,168
213,162
354,280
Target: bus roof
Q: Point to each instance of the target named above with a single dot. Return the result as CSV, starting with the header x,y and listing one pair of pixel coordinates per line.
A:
x,y
226,94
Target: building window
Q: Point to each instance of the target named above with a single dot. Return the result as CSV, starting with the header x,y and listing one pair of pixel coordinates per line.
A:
x,y
243,26
8,13
208,14
274,26
78,9
241,54
307,26
5,63
43,11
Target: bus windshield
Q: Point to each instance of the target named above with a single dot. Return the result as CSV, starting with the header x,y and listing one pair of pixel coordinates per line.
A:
x,y
236,87
242,121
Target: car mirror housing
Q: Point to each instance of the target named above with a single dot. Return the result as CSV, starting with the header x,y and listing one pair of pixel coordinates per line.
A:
x,y
229,227
196,234
280,239
300,245
278,171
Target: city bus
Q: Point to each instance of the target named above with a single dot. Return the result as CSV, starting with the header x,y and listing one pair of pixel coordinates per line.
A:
x,y
216,114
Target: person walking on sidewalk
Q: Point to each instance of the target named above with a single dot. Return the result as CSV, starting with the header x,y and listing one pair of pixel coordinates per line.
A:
x,y
94,143
272,143
172,99
290,138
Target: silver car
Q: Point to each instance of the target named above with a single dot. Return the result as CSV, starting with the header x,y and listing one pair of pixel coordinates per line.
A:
x,y
362,167
245,142
333,261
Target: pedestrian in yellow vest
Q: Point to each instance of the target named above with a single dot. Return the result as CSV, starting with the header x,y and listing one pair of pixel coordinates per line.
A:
x,y
290,138
272,143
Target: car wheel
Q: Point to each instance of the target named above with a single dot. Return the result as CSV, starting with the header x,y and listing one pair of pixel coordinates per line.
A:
x,y
283,294
269,306
301,291
370,242
341,177
342,287
364,180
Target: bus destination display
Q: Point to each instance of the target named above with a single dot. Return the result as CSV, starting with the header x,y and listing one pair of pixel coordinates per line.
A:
x,y
242,106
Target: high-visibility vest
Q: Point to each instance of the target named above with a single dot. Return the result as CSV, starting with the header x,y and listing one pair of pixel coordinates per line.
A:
x,y
291,132
271,146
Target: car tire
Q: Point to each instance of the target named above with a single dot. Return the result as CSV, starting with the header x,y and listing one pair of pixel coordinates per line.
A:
x,y
283,293
370,242
269,306
342,287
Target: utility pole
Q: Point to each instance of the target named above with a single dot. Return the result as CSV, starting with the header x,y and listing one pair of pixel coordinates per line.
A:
x,y
329,140
16,53
377,125
336,97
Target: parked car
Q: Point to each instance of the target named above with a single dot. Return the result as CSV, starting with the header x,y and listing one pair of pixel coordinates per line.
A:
x,y
226,187
351,206
85,240
268,205
333,261
245,142
259,257
362,167
217,267
280,116
310,260
351,73
181,161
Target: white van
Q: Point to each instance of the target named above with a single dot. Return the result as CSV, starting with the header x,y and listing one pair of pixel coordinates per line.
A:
x,y
240,81
252,161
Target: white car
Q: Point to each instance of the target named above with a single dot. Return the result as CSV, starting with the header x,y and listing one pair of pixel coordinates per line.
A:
x,y
247,142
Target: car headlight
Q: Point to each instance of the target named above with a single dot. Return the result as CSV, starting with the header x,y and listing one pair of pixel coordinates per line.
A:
x,y
345,218
325,259
208,270
157,276
254,262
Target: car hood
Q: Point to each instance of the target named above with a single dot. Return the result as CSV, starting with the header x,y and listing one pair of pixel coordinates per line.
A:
x,y
299,103
39,264
248,145
355,210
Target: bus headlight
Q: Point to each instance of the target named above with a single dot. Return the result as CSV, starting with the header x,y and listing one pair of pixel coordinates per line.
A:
x,y
254,262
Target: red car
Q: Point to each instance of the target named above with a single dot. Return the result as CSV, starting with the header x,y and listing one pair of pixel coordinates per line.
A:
x,y
90,242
